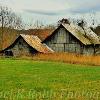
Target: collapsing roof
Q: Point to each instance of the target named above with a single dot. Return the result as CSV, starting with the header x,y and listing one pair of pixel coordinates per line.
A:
x,y
35,43
86,36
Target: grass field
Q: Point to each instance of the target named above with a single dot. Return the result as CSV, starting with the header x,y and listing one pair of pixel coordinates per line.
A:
x,y
34,80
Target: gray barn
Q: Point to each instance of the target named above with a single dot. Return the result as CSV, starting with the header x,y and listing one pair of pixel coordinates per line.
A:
x,y
73,39
26,45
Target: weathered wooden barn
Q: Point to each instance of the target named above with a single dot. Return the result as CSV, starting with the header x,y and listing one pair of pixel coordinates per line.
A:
x,y
72,38
26,45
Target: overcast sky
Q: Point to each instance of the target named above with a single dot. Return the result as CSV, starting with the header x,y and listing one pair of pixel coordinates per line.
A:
x,y
50,11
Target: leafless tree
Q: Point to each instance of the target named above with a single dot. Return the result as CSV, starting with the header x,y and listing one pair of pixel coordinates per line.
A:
x,y
82,23
63,21
8,19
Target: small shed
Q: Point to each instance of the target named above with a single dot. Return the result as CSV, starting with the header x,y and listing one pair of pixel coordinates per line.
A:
x,y
72,38
26,45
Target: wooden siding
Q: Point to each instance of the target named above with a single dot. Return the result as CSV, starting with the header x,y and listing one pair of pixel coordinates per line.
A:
x,y
21,48
63,41
97,49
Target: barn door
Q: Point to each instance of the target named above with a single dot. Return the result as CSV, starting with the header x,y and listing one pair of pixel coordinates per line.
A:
x,y
8,53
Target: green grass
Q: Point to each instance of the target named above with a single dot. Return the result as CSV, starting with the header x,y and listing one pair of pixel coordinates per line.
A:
x,y
27,79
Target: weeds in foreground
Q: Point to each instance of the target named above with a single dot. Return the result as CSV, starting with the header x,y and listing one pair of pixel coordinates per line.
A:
x,y
62,57
68,58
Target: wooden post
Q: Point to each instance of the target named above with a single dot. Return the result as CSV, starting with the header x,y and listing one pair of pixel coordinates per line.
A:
x,y
94,49
64,47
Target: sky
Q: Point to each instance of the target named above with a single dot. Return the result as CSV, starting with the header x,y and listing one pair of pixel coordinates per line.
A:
x,y
50,11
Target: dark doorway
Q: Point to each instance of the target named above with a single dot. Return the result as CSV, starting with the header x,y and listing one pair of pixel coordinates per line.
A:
x,y
8,53
32,50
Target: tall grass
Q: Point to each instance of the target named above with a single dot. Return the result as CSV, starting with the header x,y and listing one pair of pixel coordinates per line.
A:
x,y
69,58
62,57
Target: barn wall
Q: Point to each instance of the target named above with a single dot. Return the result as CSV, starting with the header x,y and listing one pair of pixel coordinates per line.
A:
x,y
63,41
91,50
97,49
88,50
22,48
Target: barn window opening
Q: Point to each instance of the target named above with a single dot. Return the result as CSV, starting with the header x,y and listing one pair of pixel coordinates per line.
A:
x,y
8,53
20,43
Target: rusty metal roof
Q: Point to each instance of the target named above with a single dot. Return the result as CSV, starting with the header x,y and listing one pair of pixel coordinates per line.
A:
x,y
35,42
86,36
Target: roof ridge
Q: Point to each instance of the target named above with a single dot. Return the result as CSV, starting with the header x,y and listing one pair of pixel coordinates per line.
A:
x,y
83,35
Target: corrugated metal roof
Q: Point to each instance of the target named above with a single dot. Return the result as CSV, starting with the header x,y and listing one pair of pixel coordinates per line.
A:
x,y
94,38
35,42
86,36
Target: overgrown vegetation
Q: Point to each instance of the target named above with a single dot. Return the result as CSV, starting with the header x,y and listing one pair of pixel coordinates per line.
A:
x,y
71,58
68,58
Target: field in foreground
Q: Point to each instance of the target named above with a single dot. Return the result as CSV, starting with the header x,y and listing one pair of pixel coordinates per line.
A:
x,y
34,80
